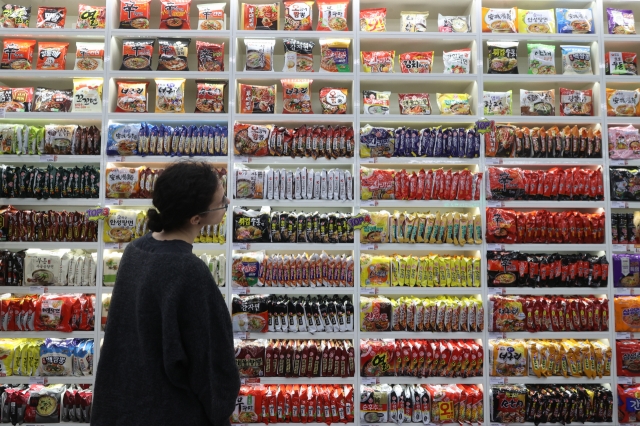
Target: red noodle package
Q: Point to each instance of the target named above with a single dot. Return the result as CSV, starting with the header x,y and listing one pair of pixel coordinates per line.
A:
x,y
91,17
51,17
332,15
174,14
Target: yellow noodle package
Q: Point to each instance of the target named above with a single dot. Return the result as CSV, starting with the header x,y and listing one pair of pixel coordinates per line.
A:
x,y
170,95
536,21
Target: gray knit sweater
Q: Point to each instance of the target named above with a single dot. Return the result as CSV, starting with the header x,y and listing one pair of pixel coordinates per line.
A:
x,y
168,354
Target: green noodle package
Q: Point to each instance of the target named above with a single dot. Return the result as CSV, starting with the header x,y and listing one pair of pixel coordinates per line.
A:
x,y
541,58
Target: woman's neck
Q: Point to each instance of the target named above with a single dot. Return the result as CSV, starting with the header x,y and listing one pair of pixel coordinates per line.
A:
x,y
187,234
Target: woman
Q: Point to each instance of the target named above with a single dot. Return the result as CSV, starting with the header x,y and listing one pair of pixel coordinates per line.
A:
x,y
168,354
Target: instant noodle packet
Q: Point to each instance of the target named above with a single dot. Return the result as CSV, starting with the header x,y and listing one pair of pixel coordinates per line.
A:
x,y
454,104
259,55
378,62
210,56
574,21
332,15
541,58
503,58
298,15
576,60
261,17
17,54
173,54
15,16
416,62
621,63
536,21
135,14
212,16
52,56
414,103
170,95
87,95
373,20
334,55
296,96
627,313
454,24
137,54
499,20
174,14
333,100
91,17
376,103
623,103
457,61
131,96
413,22
620,21
51,17
89,56
576,102
298,55
210,96
497,103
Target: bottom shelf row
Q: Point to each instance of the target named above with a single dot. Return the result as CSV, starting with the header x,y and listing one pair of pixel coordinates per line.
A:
x,y
54,403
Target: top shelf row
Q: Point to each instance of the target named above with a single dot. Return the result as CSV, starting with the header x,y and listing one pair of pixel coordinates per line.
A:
x,y
141,17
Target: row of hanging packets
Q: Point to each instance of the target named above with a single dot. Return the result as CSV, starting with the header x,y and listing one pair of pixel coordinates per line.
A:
x,y
217,266
303,184
21,139
182,140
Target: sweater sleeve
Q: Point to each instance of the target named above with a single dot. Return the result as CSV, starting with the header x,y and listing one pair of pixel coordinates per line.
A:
x,y
198,344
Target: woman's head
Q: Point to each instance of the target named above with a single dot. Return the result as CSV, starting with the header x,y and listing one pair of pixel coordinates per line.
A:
x,y
188,193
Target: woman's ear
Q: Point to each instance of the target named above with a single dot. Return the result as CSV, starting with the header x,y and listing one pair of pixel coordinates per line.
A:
x,y
195,220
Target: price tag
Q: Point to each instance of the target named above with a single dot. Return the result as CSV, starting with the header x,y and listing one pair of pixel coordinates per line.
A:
x,y
115,159
369,203
618,162
497,424
368,247
497,290
619,205
624,380
240,246
240,335
497,380
619,247
623,291
623,335
3,112
244,160
241,290
371,160
49,158
115,246
495,247
368,290
493,160
495,204
37,380
113,202
497,335
30,424
38,289
369,380
250,380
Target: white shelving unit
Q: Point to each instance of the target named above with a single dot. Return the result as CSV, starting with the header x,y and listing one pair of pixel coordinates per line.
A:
x,y
356,81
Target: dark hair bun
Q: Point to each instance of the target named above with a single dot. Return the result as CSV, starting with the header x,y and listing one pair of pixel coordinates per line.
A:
x,y
154,220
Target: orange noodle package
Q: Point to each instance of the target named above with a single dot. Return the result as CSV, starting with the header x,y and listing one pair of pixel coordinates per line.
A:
x,y
416,62
17,54
52,55
211,17
174,14
256,99
89,56
373,20
262,17
627,313
414,103
623,103
298,15
132,96
135,14
499,20
374,62
210,96
296,96
333,15
91,17
51,17
210,56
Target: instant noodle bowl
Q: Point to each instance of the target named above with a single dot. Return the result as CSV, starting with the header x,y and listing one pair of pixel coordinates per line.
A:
x,y
416,62
454,24
332,15
298,55
537,102
454,103
173,54
87,95
52,55
174,14
170,95
499,20
621,63
132,96
334,55
51,17
627,313
621,21
414,103
503,58
259,55
574,21
497,103
15,16
89,56
378,62
91,17
623,103
251,139
260,16
298,15
413,22
136,54
333,100
52,100
212,17
376,103
373,20
210,56
210,96
17,54
119,226
576,102
256,99
135,14
536,21
541,59
296,96
457,61
576,60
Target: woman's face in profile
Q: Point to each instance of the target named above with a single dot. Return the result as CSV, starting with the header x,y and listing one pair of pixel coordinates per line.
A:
x,y
215,217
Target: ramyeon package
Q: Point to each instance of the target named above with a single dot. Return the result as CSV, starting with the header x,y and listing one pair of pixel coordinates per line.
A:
x,y
536,21
541,59
210,56
454,103
131,96
332,15
416,62
15,16
623,103
503,57
497,103
334,55
87,95
135,14
499,20
375,102
51,17
414,103
259,55
621,63
457,61
574,21
170,95
576,102
413,22
261,17
537,102
89,56
454,24
576,60
621,21
373,20
298,55
91,17
212,17
378,61
298,15
173,54
174,14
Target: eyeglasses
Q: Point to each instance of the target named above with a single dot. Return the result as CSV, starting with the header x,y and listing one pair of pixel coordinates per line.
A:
x,y
224,207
